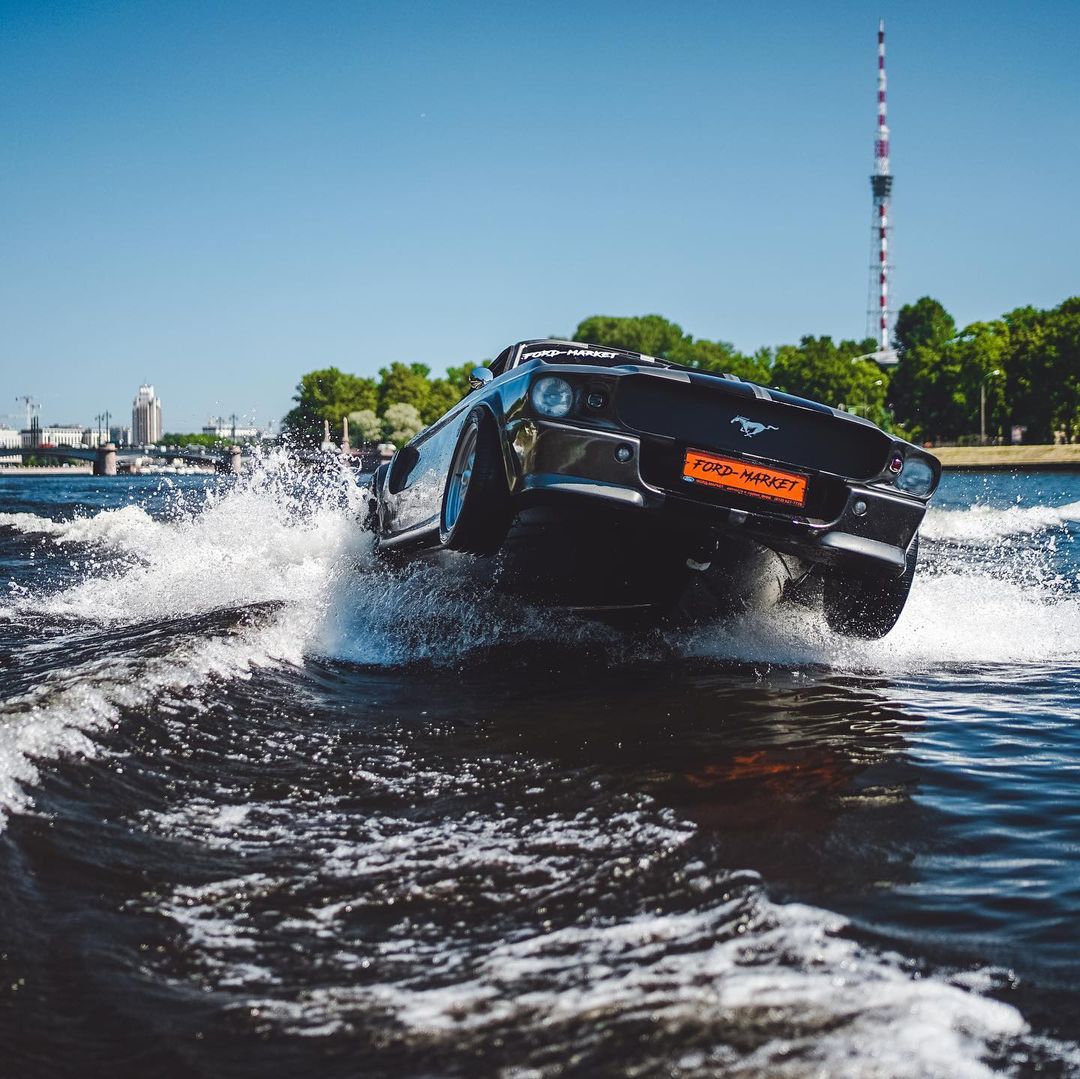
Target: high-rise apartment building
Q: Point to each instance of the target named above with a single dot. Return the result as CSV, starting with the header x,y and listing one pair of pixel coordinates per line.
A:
x,y
146,417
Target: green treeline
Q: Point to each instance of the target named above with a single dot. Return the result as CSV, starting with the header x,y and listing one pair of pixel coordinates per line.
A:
x,y
1022,370
397,405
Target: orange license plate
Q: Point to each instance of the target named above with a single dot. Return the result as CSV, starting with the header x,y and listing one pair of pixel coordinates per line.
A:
x,y
730,474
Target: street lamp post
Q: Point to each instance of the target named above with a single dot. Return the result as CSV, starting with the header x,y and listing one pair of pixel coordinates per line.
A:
x,y
982,404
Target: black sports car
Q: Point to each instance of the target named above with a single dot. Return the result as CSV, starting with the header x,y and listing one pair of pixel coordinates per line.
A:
x,y
610,481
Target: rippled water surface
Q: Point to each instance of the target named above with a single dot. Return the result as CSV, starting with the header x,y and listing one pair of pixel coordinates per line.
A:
x,y
268,811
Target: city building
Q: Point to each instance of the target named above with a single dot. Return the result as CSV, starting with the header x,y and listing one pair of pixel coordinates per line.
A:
x,y
10,439
120,436
57,434
222,427
146,417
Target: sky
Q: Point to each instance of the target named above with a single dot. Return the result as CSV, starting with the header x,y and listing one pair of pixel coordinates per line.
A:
x,y
216,197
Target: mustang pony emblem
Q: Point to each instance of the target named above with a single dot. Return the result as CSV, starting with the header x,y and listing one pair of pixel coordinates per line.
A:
x,y
749,428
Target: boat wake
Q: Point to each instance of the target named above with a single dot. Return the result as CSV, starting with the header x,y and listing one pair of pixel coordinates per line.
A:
x,y
291,543
544,910
504,929
980,525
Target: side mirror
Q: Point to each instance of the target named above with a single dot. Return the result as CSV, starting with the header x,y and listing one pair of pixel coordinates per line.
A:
x,y
479,376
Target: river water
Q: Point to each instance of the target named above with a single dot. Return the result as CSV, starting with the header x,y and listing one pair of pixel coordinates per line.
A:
x,y
267,811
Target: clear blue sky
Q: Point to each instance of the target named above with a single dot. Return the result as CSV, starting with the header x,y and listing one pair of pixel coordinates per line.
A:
x,y
217,197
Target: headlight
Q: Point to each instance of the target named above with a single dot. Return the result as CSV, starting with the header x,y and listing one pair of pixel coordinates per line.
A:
x,y
916,477
552,397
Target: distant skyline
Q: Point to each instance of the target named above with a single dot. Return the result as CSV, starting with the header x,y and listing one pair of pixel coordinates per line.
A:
x,y
216,198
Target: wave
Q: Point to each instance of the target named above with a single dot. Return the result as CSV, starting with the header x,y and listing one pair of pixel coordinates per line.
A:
x,y
731,962
276,535
277,539
727,982
292,539
978,525
967,617
65,714
115,529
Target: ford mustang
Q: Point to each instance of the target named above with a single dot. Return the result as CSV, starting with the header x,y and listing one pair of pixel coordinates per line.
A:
x,y
614,482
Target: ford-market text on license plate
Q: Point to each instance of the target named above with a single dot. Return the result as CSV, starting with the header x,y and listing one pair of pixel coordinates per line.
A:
x,y
745,478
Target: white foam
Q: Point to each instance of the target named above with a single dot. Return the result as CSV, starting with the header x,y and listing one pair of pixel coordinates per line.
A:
x,y
290,537
257,542
276,536
124,528
951,618
813,1000
996,601
59,717
424,614
983,525
822,1003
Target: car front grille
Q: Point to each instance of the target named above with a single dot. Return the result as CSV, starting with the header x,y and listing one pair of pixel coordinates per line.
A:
x,y
707,418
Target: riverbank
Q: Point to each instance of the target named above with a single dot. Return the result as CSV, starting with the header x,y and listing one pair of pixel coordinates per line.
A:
x,y
1010,458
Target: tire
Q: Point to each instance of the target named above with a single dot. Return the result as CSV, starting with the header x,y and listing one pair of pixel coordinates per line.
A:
x,y
371,518
476,511
867,606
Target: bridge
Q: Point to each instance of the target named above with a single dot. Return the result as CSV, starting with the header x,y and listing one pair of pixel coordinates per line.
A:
x,y
105,457
227,459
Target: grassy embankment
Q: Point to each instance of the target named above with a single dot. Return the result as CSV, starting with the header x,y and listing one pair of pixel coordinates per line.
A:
x,y
1004,458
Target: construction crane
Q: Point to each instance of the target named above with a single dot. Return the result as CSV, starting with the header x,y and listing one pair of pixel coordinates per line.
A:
x,y
31,407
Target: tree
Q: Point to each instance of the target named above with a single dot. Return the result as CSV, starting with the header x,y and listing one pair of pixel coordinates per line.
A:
x,y
937,391
404,384
934,392
1044,370
981,354
444,393
1030,373
327,394
721,358
171,438
833,374
1065,331
908,388
920,391
651,335
443,396
401,422
365,425
923,323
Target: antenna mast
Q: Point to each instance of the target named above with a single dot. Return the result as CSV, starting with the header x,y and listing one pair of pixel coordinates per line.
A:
x,y
879,314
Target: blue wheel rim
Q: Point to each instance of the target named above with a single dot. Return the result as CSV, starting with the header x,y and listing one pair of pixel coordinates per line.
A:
x,y
457,489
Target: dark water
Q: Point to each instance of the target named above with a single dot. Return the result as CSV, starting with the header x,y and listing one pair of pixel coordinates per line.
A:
x,y
265,812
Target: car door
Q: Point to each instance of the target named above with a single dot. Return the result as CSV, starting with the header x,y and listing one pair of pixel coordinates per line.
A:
x,y
413,492
412,496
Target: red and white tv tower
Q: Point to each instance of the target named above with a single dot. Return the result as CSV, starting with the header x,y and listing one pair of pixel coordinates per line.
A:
x,y
879,313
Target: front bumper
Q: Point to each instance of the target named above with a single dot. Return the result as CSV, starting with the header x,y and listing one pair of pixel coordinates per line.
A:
x,y
866,526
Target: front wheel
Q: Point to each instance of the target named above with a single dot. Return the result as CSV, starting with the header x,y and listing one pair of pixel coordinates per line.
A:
x,y
371,517
861,605
476,511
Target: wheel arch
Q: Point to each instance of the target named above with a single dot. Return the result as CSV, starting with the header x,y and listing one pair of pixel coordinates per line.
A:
x,y
496,414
